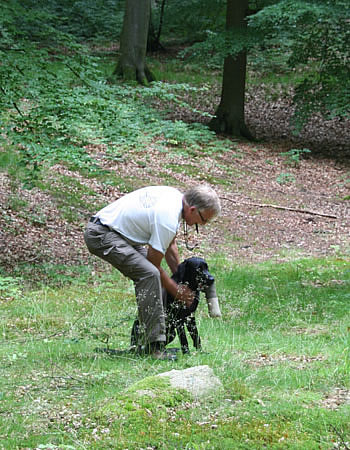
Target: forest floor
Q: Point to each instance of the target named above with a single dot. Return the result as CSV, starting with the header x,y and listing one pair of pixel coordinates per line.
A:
x,y
262,217
271,208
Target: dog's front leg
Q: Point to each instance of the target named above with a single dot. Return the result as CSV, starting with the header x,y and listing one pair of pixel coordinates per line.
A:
x,y
135,333
193,330
170,333
180,328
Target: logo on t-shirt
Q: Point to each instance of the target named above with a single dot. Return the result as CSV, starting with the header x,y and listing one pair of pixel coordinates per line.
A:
x,y
147,200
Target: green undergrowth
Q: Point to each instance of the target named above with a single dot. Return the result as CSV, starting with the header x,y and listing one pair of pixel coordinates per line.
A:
x,y
179,71
55,109
281,350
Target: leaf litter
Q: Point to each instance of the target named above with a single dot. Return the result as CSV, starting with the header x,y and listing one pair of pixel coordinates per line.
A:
x,y
245,232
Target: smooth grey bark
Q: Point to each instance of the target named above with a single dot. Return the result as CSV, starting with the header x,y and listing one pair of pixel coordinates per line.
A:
x,y
133,42
229,116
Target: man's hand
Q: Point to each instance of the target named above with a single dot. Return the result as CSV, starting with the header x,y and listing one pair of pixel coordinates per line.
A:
x,y
185,295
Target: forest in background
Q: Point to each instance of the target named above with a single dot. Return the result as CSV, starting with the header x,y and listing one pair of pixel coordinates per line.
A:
x,y
298,52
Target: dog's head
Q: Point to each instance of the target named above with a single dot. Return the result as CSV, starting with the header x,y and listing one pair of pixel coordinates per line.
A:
x,y
195,273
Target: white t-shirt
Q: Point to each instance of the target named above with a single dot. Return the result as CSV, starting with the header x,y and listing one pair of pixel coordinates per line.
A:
x,y
149,215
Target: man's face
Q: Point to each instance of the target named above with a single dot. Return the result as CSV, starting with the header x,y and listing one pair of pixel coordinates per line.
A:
x,y
193,215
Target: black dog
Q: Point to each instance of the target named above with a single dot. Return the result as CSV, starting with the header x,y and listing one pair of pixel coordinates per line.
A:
x,y
195,274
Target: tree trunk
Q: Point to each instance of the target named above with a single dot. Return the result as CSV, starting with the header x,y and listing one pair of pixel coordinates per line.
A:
x,y
153,43
229,117
133,42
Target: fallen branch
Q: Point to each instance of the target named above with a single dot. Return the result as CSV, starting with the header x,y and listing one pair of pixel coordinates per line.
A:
x,y
267,205
340,436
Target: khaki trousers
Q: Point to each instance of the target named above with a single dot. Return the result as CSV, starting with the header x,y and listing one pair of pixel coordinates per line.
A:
x,y
130,259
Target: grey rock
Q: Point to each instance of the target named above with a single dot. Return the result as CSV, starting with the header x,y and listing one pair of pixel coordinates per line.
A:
x,y
200,381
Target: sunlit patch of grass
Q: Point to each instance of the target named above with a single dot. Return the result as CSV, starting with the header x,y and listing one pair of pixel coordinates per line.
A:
x,y
273,69
171,71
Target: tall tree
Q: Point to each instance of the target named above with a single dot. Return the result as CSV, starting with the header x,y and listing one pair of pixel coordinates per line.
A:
x,y
133,42
153,42
229,116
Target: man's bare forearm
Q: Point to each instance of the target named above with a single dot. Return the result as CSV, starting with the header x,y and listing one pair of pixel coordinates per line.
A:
x,y
172,257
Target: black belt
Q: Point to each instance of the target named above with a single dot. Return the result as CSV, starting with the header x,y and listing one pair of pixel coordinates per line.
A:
x,y
96,220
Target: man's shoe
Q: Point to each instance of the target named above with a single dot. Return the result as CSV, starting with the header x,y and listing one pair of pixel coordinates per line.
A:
x,y
156,350
163,355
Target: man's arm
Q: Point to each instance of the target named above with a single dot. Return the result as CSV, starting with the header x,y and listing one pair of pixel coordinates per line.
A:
x,y
180,292
172,256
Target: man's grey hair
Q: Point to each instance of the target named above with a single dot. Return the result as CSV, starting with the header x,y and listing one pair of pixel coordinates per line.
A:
x,y
203,197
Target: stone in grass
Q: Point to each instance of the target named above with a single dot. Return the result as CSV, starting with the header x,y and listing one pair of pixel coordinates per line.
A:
x,y
199,381
151,395
153,407
170,389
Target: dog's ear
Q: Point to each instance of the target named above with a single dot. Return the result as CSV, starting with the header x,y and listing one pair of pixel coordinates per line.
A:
x,y
179,275
186,273
192,273
189,275
204,266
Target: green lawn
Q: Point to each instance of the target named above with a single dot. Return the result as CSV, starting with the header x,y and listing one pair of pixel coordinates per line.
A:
x,y
281,350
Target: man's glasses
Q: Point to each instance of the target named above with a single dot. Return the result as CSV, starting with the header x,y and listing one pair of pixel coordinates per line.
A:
x,y
202,218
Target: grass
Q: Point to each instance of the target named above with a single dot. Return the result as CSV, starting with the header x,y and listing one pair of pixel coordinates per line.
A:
x,y
175,69
281,351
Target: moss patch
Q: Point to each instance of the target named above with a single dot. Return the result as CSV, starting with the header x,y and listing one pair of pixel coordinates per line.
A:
x,y
154,393
143,411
